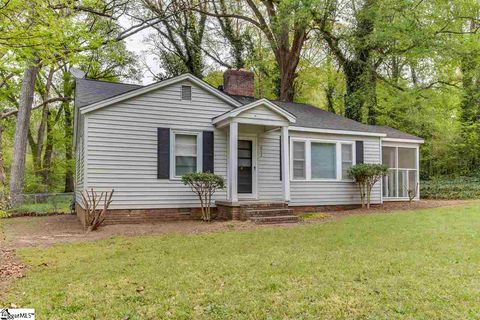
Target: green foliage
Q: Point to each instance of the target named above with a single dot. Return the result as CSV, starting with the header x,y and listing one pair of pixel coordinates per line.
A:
x,y
366,175
4,214
52,204
315,216
346,269
363,172
451,188
205,179
204,184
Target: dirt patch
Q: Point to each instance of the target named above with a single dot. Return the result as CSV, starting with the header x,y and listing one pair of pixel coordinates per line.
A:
x,y
44,231
10,266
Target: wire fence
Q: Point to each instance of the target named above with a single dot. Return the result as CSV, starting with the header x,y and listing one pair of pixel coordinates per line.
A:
x,y
44,203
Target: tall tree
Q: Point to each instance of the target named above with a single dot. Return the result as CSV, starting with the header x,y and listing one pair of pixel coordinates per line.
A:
x,y
233,30
180,37
21,133
358,61
286,26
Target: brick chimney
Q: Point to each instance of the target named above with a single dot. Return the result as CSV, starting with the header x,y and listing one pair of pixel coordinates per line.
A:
x,y
238,82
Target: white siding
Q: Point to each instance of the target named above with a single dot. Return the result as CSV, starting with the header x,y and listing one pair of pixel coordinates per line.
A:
x,y
269,184
122,146
79,162
261,113
335,192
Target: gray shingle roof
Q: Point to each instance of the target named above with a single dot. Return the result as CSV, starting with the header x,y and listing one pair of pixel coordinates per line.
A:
x,y
396,134
88,91
312,117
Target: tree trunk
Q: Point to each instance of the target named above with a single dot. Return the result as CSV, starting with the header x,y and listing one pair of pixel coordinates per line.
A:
x,y
68,130
2,172
287,58
47,157
360,100
17,173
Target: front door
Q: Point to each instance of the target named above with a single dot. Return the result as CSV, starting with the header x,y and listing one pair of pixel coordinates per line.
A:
x,y
246,168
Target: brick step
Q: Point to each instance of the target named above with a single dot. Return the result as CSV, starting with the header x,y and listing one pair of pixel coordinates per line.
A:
x,y
274,219
268,212
263,205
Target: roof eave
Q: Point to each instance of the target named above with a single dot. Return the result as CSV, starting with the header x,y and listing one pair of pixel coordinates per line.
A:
x,y
403,140
235,112
338,131
158,85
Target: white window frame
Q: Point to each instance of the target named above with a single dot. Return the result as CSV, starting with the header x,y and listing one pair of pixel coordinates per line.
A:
x,y
173,134
354,160
308,158
292,159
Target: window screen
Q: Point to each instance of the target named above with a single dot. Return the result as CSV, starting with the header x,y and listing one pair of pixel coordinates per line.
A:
x,y
388,157
407,158
186,93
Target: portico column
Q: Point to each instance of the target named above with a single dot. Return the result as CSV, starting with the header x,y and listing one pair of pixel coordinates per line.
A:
x,y
285,164
232,161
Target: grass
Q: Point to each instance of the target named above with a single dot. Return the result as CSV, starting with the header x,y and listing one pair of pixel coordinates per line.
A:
x,y
451,188
410,265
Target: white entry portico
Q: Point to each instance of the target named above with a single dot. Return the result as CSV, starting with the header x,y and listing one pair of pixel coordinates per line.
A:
x,y
261,116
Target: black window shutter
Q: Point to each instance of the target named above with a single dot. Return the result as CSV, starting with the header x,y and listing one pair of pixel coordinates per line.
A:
x,y
281,166
208,151
163,153
359,151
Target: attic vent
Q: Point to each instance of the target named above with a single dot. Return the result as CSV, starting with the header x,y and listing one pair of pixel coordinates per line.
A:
x,y
186,93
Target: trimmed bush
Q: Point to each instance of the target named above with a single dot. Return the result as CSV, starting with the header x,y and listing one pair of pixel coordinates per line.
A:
x,y
366,175
204,184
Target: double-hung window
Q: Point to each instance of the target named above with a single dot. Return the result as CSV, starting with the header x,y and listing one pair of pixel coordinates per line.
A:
x,y
299,160
186,153
321,160
347,159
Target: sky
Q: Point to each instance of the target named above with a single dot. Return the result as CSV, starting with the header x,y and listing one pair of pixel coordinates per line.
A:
x,y
136,44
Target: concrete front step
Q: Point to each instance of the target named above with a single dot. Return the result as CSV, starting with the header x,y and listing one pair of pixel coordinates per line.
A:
x,y
274,219
268,212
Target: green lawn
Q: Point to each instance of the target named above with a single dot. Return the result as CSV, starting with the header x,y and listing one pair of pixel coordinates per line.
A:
x,y
409,265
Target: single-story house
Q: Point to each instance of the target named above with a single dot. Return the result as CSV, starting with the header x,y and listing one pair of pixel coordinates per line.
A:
x,y
279,157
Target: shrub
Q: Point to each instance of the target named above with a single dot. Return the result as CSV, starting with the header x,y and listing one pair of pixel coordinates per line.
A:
x,y
204,184
94,217
457,188
366,176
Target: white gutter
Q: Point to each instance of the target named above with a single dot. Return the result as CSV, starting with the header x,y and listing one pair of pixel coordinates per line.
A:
x,y
334,131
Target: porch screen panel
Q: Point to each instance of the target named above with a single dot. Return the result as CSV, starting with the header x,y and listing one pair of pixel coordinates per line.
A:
x,y
402,176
